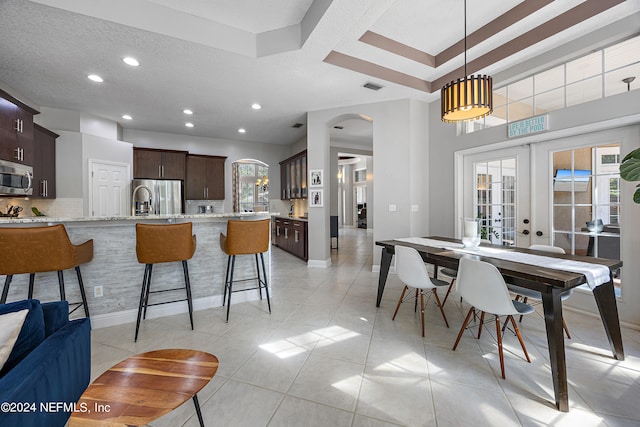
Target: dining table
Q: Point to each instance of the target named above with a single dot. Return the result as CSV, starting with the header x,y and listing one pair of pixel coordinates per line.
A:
x,y
549,281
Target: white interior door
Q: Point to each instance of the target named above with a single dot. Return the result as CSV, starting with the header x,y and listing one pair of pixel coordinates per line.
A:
x,y
109,190
496,191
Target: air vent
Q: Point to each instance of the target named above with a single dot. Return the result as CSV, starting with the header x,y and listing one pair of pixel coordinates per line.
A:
x,y
338,127
297,125
372,86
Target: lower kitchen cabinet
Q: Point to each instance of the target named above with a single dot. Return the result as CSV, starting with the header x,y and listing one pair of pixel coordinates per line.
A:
x,y
291,235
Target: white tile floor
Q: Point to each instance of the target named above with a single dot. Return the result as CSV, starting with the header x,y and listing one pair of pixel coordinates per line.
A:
x,y
327,356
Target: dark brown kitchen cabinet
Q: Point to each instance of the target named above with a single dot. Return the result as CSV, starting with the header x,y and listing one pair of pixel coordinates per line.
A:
x,y
293,177
151,163
205,177
44,163
291,235
16,130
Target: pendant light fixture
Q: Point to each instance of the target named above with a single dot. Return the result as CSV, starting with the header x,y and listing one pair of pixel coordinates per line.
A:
x,y
468,98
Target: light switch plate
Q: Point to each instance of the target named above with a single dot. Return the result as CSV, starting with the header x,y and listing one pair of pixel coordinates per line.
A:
x,y
392,208
415,208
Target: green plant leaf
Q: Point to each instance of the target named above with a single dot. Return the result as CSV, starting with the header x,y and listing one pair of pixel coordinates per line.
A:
x,y
636,195
630,168
635,154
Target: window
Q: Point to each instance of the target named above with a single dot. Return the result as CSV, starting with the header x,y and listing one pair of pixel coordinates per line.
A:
x,y
250,186
586,202
593,76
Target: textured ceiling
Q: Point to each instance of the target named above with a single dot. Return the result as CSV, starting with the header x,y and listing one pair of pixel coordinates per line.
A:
x,y
218,57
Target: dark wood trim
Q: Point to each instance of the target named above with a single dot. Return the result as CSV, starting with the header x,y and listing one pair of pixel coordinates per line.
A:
x,y
17,102
45,130
295,156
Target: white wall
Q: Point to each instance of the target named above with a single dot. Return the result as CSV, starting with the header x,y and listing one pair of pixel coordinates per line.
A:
x,y
399,132
271,154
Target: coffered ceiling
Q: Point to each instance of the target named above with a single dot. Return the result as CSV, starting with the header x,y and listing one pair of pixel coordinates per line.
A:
x,y
217,57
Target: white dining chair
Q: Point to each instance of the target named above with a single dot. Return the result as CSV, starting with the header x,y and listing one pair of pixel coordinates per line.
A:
x,y
483,287
527,294
452,273
412,271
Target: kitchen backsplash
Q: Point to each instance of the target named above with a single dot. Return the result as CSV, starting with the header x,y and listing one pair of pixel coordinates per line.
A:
x,y
192,207
55,208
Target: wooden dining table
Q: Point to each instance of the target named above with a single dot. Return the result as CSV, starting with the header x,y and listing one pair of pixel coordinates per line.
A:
x,y
548,281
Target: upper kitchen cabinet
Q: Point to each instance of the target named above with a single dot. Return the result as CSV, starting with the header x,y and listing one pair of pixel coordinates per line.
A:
x,y
44,163
152,163
205,177
293,177
16,130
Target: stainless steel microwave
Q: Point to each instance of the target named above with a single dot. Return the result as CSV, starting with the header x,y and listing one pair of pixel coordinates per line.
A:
x,y
15,179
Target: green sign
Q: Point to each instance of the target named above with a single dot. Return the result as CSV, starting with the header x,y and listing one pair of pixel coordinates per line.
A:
x,y
529,126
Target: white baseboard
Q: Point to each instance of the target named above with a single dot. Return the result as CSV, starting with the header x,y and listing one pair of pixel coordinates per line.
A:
x,y
129,316
319,263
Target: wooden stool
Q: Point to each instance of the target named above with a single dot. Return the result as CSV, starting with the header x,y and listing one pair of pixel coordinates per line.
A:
x,y
245,238
41,249
163,243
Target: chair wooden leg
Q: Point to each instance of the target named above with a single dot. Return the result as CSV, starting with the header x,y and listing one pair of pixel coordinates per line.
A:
x,y
499,335
566,330
524,349
187,286
399,302
422,310
481,323
440,306
5,289
448,291
266,282
464,326
524,301
83,295
415,304
32,278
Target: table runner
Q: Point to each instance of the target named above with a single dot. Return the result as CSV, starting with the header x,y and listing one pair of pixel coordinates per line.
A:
x,y
595,274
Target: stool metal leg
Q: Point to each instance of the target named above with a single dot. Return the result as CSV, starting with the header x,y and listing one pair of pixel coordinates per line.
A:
x,y
82,293
5,290
32,278
188,287
146,297
233,265
61,285
143,293
266,284
226,280
258,270
197,405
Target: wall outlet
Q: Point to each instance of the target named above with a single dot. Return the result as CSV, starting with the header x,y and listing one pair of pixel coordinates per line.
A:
x,y
98,292
392,208
415,208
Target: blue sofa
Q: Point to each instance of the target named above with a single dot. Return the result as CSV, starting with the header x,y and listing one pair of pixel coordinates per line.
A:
x,y
49,367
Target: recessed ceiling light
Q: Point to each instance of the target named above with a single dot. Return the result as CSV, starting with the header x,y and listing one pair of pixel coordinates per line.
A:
x,y
242,130
187,111
96,78
256,106
127,117
131,61
189,124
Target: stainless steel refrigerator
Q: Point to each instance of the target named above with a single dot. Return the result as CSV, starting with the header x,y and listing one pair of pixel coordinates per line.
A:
x,y
156,196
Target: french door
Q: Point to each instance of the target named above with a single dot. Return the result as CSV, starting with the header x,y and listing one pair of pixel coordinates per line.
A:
x,y
496,192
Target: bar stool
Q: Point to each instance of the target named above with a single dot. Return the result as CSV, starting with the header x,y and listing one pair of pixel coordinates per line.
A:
x,y
245,238
160,243
41,249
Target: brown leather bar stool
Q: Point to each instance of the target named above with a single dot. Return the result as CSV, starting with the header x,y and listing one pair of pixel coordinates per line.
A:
x,y
245,238
160,243
41,249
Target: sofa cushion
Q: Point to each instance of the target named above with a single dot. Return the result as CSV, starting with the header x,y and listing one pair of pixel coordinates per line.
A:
x,y
56,315
10,327
31,334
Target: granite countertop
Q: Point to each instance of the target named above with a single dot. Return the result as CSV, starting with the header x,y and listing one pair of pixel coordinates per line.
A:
x,y
46,219
297,218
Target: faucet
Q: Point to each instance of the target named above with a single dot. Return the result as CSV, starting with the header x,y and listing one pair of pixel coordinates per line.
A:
x,y
133,199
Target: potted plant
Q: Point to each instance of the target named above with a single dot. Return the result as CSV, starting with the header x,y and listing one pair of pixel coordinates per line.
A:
x,y
630,171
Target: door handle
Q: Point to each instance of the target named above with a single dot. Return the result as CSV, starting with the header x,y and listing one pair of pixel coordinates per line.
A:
x,y
525,232
539,233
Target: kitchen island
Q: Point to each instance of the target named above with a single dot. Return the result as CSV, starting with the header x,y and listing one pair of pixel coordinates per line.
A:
x,y
116,269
